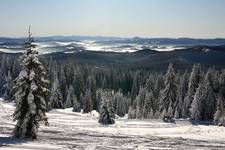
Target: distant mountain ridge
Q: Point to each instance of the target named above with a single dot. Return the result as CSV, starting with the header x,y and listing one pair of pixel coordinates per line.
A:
x,y
172,41
104,39
207,56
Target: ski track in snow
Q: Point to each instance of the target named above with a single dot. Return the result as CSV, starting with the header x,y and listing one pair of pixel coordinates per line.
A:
x,y
70,130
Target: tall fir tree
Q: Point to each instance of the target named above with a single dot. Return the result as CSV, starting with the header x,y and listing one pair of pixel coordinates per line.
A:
x,y
158,87
204,104
76,105
150,83
104,83
194,80
148,106
62,83
81,101
219,116
222,83
2,72
70,97
197,106
168,94
78,85
210,101
140,102
181,93
88,106
91,84
98,98
30,97
135,88
56,98
131,112
107,113
120,104
8,95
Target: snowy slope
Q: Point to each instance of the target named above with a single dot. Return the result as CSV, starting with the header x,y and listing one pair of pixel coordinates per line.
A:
x,y
70,130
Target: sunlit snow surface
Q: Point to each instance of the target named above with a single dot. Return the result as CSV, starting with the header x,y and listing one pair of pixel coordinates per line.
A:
x,y
69,130
72,47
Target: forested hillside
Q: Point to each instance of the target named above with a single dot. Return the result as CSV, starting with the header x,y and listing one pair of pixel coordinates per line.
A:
x,y
79,81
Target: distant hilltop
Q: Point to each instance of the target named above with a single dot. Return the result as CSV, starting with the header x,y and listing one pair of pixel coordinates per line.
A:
x,y
139,40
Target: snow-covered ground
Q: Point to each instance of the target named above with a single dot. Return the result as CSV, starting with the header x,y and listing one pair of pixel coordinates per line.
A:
x,y
69,130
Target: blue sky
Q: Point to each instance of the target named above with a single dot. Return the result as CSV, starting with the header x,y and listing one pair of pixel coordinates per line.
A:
x,y
126,18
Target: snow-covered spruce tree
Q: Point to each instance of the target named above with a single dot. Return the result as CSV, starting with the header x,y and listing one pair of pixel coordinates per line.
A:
x,y
131,113
107,114
70,97
219,116
194,80
168,94
56,98
215,78
81,101
139,112
135,88
150,83
209,103
204,105
78,85
76,105
2,73
120,104
127,102
91,84
222,83
140,102
8,95
50,68
148,110
65,99
103,83
181,93
176,114
98,98
196,106
31,94
88,107
158,87
222,120
62,83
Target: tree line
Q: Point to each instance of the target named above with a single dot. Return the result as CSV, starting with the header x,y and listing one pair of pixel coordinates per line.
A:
x,y
142,94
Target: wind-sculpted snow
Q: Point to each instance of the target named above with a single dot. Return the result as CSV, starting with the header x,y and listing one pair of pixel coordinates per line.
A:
x,y
70,130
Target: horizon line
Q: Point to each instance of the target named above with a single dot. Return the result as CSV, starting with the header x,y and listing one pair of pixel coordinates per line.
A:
x,y
108,36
